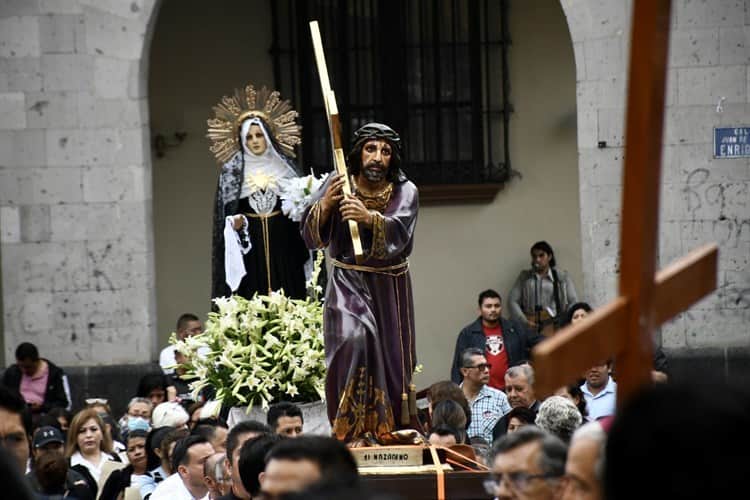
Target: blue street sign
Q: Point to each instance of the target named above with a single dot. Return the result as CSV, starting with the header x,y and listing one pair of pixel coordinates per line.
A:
x,y
732,142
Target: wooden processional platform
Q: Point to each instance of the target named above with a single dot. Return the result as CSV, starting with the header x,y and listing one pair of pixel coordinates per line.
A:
x,y
421,472
459,485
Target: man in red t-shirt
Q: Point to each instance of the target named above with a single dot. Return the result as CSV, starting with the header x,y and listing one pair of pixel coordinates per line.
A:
x,y
495,352
505,342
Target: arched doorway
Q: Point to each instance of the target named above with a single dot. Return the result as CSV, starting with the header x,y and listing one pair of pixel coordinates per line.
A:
x,y
198,54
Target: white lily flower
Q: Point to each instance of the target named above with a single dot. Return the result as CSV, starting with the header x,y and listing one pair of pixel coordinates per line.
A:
x,y
262,350
292,390
296,194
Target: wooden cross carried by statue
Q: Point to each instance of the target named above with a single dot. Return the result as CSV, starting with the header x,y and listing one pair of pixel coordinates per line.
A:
x,y
624,327
334,126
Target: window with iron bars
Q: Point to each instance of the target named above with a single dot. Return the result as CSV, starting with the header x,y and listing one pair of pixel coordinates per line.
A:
x,y
436,71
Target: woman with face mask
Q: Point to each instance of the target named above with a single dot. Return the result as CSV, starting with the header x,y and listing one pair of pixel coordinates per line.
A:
x,y
138,416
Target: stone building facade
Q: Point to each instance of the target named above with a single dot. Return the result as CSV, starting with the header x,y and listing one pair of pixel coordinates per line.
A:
x,y
703,199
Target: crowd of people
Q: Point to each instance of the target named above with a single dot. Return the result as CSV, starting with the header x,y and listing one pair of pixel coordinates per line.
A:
x,y
169,446
551,448
163,450
172,443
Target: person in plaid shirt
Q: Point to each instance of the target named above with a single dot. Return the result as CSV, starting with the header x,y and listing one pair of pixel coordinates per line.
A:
x,y
488,405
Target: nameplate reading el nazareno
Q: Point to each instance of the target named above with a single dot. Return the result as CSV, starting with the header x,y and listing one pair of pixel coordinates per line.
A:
x,y
388,456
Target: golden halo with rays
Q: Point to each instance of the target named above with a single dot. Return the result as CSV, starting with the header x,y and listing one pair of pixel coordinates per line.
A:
x,y
231,111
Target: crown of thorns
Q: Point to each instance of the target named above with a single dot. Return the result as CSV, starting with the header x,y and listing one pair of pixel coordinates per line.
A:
x,y
377,131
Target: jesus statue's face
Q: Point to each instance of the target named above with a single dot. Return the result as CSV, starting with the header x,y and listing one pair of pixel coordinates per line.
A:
x,y
256,141
376,158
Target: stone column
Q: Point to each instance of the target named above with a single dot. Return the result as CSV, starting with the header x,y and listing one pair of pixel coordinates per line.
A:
x,y
703,199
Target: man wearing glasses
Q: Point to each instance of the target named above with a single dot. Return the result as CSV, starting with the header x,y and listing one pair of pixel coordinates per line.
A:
x,y
488,405
527,464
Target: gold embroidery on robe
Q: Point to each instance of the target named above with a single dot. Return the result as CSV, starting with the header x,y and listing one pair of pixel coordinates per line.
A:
x,y
376,200
313,225
360,413
378,237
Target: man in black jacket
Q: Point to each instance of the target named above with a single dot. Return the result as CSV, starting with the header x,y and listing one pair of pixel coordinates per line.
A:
x,y
505,342
38,380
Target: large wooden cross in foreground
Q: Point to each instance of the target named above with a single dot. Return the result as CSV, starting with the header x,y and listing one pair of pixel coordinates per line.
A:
x,y
624,328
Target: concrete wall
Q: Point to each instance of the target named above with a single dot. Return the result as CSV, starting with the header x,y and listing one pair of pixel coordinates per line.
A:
x,y
703,199
75,180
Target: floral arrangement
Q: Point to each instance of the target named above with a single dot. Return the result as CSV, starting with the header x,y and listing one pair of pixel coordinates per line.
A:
x,y
260,351
296,194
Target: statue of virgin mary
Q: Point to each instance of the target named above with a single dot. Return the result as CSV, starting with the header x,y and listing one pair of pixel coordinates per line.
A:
x,y
256,247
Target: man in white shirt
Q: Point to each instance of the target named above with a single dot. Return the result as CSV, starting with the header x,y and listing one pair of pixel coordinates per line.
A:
x,y
188,460
188,325
600,391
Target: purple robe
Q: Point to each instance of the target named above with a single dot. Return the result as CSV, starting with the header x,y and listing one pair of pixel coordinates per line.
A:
x,y
369,315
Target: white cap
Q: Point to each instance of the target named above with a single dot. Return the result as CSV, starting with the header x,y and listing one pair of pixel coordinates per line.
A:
x,y
169,414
